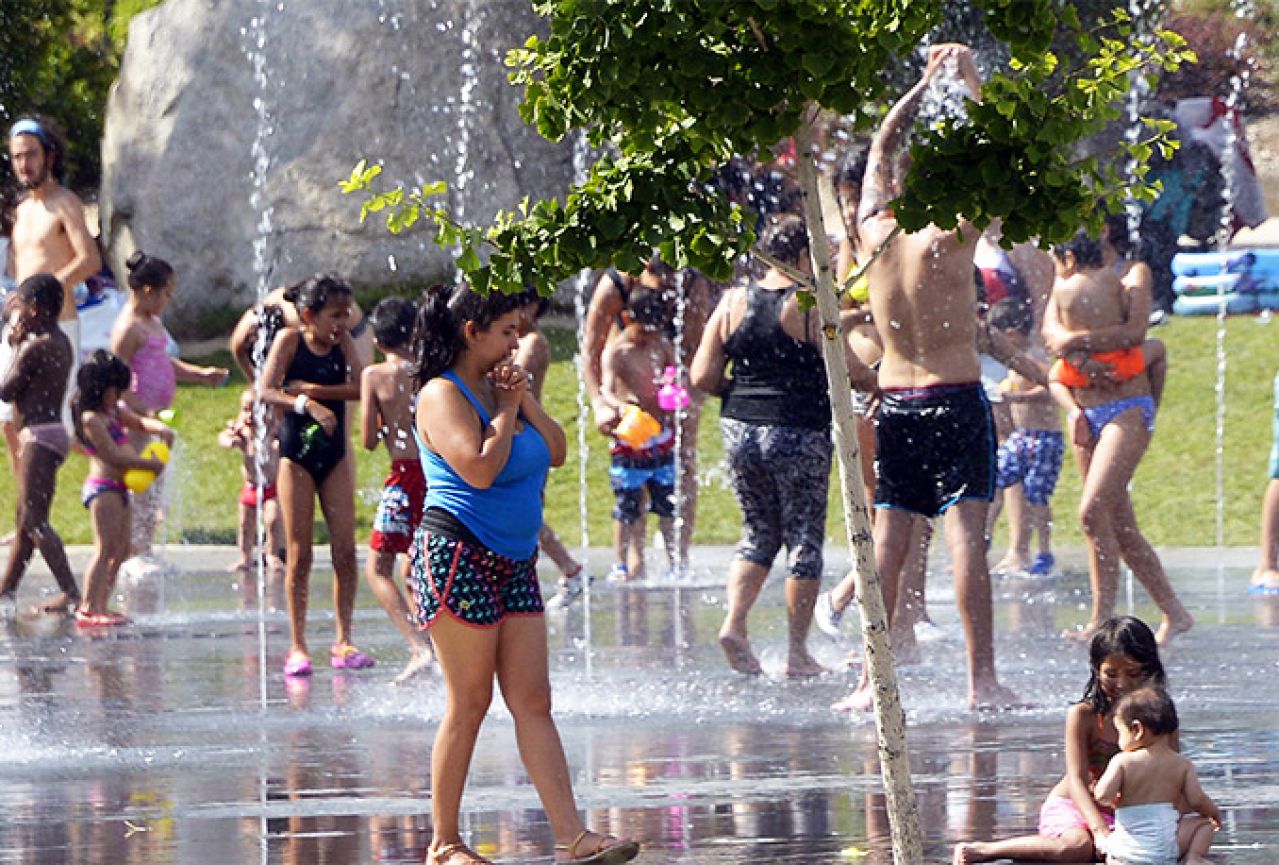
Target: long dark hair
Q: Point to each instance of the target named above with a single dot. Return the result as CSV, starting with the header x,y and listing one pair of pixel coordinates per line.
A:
x,y
147,271
101,372
441,315
1127,636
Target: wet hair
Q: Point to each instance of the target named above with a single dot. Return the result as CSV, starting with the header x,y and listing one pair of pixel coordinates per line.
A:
x,y
312,295
1118,234
52,141
441,315
392,321
98,374
1011,314
532,296
853,171
44,292
785,238
270,323
1086,249
147,271
1127,636
648,306
1152,707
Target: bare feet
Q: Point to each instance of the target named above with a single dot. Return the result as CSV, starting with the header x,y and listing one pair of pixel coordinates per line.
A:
x,y
802,665
992,695
240,567
64,604
1011,563
1265,580
1172,627
962,855
419,663
1082,634
737,649
859,700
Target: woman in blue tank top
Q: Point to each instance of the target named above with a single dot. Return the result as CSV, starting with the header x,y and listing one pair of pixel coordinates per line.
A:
x,y
486,446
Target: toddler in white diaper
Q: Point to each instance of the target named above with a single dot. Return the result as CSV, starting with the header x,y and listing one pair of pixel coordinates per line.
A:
x,y
1161,812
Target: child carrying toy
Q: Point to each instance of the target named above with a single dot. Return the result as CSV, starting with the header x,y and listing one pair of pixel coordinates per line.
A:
x,y
102,424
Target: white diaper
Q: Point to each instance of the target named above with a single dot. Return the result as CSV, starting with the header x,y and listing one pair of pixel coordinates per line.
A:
x,y
1145,835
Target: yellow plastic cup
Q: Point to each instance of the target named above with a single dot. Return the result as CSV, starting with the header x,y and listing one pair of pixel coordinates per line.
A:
x,y
637,426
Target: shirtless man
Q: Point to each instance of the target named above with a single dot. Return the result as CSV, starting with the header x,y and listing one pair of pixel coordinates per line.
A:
x,y
1111,423
36,384
936,446
49,232
605,317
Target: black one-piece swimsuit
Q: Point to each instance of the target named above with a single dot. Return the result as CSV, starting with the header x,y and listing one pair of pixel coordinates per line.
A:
x,y
302,439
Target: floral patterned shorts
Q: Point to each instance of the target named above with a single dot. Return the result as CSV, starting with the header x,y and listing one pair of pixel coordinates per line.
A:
x,y
475,585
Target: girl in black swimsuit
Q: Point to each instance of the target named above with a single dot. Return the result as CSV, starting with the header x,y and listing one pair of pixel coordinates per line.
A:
x,y
310,373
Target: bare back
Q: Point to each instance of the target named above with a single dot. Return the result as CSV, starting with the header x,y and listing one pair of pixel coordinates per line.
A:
x,y
388,395
1151,775
923,298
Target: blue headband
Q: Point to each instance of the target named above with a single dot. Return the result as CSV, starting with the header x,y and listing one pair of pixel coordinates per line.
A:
x,y
30,127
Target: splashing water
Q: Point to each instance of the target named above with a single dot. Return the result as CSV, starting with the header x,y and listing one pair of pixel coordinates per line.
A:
x,y
467,101
581,168
944,98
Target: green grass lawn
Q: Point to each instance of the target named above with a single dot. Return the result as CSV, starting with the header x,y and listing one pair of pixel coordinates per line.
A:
x,y
1174,491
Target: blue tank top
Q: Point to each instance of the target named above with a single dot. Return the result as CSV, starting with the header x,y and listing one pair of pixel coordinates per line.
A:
x,y
506,516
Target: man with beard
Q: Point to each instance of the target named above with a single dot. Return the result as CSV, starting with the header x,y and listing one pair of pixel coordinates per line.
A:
x,y
49,233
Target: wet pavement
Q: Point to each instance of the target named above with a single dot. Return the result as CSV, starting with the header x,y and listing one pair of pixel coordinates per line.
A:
x,y
164,743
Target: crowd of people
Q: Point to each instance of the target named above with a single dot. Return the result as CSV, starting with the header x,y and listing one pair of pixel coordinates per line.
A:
x,y
962,354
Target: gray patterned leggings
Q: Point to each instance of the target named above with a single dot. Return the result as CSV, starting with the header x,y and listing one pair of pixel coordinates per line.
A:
x,y
780,476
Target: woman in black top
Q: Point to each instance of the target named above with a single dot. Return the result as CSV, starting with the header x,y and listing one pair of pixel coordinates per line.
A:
x,y
776,424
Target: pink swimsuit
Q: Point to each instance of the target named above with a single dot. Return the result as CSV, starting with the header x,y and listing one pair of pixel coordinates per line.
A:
x,y
154,380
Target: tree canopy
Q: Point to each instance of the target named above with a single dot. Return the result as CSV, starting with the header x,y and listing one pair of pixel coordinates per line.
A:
x,y
668,90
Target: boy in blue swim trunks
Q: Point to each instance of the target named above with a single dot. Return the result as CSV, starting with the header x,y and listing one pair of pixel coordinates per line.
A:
x,y
1030,457
642,468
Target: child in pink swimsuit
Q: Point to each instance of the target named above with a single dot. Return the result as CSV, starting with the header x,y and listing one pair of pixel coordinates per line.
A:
x,y
140,339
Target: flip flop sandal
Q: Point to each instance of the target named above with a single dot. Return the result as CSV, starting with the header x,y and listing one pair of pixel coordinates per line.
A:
x,y
297,664
109,619
615,854
458,851
349,658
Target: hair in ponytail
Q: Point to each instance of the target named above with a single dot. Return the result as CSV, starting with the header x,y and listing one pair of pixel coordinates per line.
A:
x,y
101,372
441,315
315,293
147,271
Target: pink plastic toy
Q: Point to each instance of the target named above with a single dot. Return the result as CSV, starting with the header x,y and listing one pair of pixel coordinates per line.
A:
x,y
672,396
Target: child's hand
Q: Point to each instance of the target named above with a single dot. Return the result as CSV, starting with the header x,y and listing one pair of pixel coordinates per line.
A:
x,y
166,435
606,417
1080,432
320,413
215,376
154,466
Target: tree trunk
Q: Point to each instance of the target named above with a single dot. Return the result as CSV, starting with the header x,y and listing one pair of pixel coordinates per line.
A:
x,y
890,720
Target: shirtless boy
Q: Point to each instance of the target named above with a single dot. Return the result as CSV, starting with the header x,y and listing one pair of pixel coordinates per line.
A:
x,y
244,433
1111,424
387,398
935,437
36,385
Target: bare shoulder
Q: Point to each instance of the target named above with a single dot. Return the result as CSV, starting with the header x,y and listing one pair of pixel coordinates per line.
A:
x,y
66,203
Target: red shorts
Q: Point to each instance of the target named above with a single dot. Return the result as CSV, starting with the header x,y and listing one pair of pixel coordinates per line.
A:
x,y
249,494
400,510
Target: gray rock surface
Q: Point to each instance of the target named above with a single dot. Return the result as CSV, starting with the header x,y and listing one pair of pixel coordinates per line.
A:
x,y
346,79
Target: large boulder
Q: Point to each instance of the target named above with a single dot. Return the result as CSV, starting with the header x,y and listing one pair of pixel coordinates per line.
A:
x,y
412,84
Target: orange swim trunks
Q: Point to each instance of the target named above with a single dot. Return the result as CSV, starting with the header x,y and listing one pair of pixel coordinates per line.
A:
x,y
1127,363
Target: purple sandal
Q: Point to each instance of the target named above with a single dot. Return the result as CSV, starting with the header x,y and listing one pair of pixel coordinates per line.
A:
x,y
297,664
347,657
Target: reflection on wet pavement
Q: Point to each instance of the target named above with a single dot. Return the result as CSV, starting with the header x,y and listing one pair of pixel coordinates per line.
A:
x,y
152,744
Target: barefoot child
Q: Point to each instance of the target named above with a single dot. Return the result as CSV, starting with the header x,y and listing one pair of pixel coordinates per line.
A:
x,y
1110,426
631,367
386,414
102,425
1122,657
1148,785
534,355
140,339
1031,455
242,434
36,384
310,374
